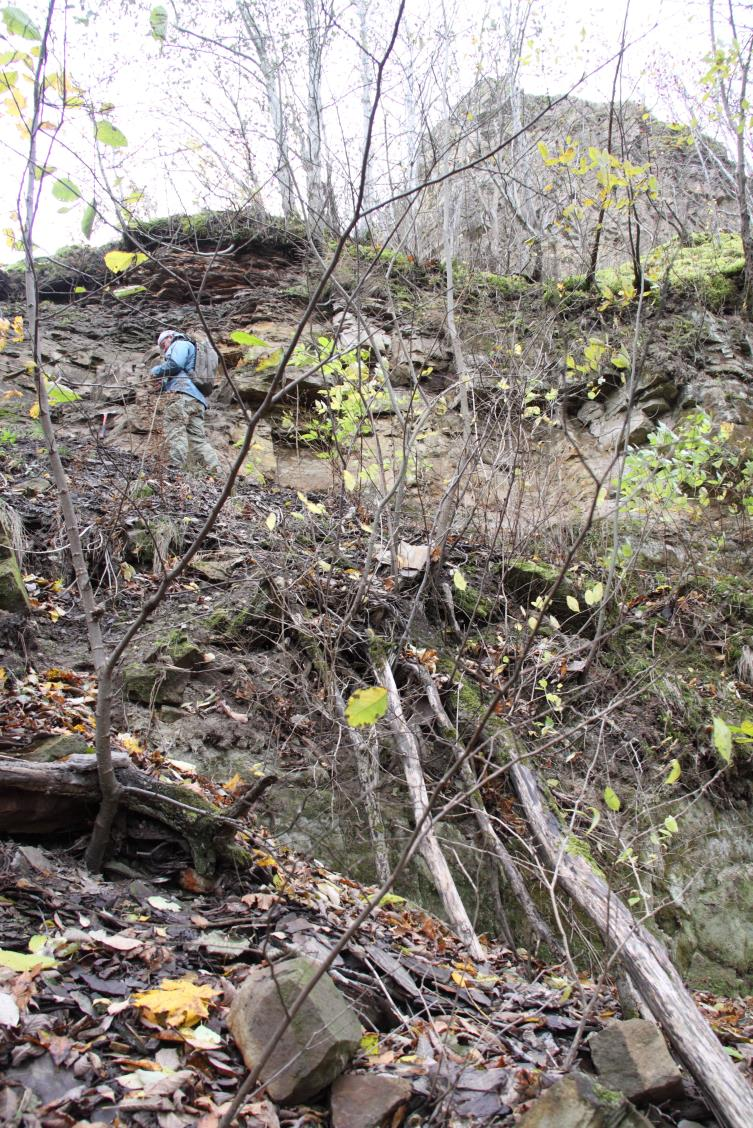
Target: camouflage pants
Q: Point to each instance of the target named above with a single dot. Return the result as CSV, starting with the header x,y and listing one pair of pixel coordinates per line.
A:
x,y
183,425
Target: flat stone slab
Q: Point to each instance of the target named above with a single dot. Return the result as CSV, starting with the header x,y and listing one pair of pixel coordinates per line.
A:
x,y
633,1058
361,1100
578,1101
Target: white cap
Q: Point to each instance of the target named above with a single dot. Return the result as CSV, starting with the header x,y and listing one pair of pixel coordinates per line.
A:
x,y
165,334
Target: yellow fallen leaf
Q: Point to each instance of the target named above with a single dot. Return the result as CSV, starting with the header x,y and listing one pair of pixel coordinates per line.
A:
x,y
264,860
176,1002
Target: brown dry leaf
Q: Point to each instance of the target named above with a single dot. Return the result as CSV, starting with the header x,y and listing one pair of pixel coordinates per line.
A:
x,y
386,1058
58,1048
262,1114
118,940
193,882
176,1002
23,989
263,901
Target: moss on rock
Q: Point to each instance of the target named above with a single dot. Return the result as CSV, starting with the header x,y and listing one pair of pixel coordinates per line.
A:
x,y
155,684
13,595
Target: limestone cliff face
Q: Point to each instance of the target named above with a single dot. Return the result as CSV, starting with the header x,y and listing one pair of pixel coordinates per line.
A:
x,y
514,213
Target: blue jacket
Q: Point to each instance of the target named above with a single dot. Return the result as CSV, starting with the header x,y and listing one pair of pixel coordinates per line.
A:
x,y
179,362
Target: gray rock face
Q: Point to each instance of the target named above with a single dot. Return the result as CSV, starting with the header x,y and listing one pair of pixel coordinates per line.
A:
x,y
366,1101
317,1045
487,233
633,1058
579,1102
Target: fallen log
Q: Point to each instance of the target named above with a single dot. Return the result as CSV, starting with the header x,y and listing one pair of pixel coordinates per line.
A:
x,y
207,830
644,958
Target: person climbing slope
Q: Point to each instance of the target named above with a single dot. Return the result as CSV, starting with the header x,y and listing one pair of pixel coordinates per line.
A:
x,y
183,417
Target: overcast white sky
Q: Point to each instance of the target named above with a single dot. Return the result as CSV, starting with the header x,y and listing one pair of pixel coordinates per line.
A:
x,y
114,58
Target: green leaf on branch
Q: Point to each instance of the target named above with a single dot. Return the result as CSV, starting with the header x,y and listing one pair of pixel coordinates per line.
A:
x,y
87,223
59,393
594,595
366,706
674,772
158,22
109,134
612,799
248,339
270,361
128,291
18,23
65,190
595,819
722,737
459,580
118,261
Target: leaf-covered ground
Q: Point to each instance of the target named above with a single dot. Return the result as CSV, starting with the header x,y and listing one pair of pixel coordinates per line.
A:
x,y
113,995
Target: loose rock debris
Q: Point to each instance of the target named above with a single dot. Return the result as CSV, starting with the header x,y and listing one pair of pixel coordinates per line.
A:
x,y
114,997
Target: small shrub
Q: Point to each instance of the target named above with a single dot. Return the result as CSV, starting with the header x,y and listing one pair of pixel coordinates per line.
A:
x,y
689,469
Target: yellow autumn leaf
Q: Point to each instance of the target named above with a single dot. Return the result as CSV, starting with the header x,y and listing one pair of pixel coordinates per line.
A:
x,y
459,580
271,521
266,861
34,411
176,1002
312,506
130,743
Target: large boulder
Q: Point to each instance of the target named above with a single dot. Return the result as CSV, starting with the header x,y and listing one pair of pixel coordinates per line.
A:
x,y
578,1101
318,1043
633,1058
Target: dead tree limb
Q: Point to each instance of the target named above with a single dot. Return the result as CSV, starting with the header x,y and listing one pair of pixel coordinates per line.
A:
x,y
643,956
429,846
492,842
